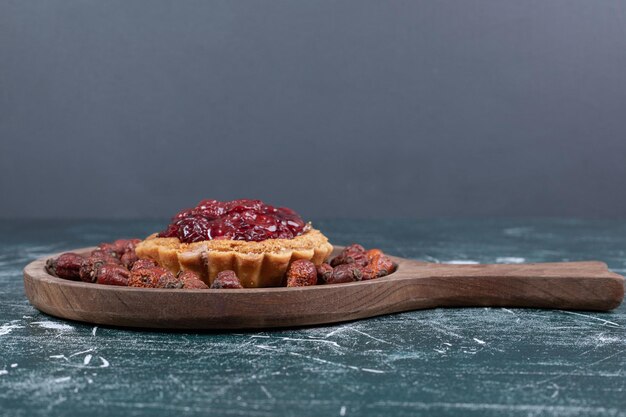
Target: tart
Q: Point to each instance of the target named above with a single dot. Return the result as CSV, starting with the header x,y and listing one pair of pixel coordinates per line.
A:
x,y
255,240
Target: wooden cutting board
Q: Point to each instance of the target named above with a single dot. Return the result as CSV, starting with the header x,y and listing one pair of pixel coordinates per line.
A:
x,y
415,285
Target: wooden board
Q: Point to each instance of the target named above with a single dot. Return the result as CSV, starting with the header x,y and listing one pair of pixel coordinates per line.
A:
x,y
415,285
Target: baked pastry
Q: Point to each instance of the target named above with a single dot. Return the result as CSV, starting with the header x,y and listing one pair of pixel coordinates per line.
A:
x,y
256,241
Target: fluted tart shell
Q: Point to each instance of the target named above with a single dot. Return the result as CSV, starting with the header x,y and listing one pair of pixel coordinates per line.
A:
x,y
257,264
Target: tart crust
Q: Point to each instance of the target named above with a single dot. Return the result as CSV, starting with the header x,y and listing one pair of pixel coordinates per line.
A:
x,y
257,264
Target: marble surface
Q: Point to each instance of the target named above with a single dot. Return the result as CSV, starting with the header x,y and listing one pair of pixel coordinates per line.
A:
x,y
448,362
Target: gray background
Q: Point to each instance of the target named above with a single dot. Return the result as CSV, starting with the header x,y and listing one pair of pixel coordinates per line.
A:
x,y
335,108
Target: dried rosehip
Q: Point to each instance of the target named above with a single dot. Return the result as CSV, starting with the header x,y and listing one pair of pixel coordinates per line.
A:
x,y
186,275
119,247
107,248
372,253
169,281
345,273
89,269
129,258
107,256
301,273
381,265
148,277
353,254
143,263
367,273
226,279
191,281
112,274
324,272
66,266
195,284
124,245
355,247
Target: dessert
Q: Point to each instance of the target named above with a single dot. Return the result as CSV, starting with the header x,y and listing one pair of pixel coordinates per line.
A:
x,y
255,240
229,245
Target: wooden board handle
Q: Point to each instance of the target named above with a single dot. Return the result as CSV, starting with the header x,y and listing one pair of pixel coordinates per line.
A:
x,y
565,285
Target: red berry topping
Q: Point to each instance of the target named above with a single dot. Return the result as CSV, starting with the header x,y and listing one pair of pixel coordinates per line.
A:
x,y
250,220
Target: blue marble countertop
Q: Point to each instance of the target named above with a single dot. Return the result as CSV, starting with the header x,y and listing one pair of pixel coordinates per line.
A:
x,y
447,362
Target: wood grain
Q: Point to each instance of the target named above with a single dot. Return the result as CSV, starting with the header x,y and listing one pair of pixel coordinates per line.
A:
x,y
415,285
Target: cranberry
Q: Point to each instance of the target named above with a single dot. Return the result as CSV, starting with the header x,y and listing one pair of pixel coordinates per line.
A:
x,y
194,229
250,220
245,205
183,214
301,273
172,229
66,266
290,220
226,279
211,208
